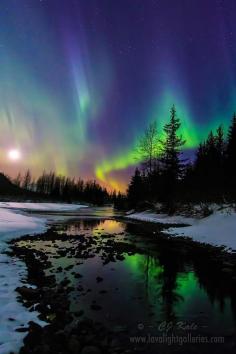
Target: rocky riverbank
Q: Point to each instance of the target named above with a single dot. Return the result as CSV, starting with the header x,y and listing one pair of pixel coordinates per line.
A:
x,y
50,286
65,332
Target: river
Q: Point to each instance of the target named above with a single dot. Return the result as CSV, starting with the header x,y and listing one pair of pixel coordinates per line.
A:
x,y
137,283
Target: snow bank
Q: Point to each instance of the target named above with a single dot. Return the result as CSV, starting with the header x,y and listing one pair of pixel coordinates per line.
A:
x,y
15,223
41,206
160,218
13,315
217,229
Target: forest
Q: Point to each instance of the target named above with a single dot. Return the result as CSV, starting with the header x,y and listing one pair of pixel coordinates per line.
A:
x,y
51,186
165,177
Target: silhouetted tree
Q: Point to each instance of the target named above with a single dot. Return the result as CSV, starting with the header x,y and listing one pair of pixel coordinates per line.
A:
x,y
208,171
231,158
120,201
18,180
172,164
148,148
69,189
136,189
26,180
167,178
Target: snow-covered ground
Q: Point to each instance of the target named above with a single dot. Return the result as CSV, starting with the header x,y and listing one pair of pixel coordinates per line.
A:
x,y
15,222
217,229
160,218
41,206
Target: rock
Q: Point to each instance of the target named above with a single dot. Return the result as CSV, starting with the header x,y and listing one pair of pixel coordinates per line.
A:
x,y
35,327
104,342
89,338
226,270
21,329
95,307
43,349
90,349
65,282
99,279
34,336
79,313
78,275
28,293
74,345
69,267
120,257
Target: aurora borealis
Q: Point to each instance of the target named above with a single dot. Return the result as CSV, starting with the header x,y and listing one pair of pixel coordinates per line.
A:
x,y
81,79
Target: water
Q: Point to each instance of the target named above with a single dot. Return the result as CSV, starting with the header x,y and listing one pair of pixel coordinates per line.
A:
x,y
161,288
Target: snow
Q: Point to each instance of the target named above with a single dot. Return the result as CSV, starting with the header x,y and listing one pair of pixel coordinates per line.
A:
x,y
218,229
14,222
160,218
12,273
41,206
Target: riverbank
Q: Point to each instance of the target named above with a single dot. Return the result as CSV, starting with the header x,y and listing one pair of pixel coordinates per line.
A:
x,y
98,283
217,228
67,331
15,222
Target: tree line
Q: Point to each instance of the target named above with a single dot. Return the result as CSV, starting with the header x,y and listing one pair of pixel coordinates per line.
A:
x,y
165,177
57,187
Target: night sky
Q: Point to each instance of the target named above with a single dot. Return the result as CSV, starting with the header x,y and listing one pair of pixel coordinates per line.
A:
x,y
81,79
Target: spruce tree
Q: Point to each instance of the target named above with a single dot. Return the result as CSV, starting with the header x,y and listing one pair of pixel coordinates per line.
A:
x,y
231,141
172,144
220,150
231,158
172,163
208,171
135,192
220,144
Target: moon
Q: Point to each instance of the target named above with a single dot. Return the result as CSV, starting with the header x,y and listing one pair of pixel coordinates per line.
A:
x,y
14,154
